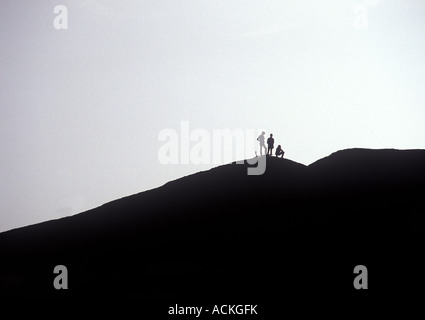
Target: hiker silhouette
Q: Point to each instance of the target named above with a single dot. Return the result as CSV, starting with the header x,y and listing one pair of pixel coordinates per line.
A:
x,y
270,144
279,151
262,144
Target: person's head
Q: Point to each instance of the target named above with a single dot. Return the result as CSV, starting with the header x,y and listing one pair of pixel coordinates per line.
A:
x,y
271,135
278,146
263,133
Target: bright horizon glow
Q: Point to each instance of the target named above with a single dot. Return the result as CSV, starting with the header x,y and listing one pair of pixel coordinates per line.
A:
x,y
81,109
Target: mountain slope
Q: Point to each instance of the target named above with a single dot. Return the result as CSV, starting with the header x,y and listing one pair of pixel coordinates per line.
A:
x,y
295,232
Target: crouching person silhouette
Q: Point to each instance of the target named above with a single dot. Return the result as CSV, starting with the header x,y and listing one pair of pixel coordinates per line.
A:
x,y
279,151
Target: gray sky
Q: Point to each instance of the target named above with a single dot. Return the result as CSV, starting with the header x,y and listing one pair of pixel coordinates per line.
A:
x,y
81,109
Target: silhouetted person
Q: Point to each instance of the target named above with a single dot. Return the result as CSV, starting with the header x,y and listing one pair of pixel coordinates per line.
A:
x,y
262,144
270,144
279,151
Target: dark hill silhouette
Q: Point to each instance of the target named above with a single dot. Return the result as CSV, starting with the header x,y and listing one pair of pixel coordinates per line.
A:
x,y
296,232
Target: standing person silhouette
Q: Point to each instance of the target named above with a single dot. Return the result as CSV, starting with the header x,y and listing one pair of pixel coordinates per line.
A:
x,y
270,144
262,144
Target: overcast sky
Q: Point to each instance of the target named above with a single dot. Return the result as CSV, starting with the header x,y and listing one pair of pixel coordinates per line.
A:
x,y
81,109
